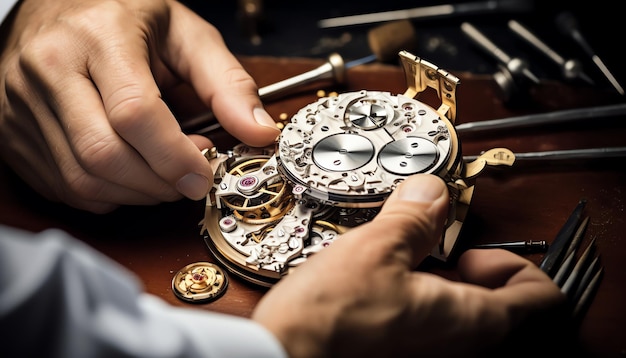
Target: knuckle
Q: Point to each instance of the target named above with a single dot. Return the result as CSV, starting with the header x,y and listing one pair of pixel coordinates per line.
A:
x,y
91,19
234,82
240,79
127,107
238,74
81,187
97,155
42,53
104,158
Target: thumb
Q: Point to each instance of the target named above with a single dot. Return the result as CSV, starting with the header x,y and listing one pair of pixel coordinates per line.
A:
x,y
411,222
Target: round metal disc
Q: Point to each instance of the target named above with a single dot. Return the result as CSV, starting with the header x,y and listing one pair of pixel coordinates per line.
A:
x,y
343,152
199,282
409,156
367,115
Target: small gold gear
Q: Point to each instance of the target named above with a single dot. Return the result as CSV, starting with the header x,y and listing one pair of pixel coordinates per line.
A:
x,y
199,282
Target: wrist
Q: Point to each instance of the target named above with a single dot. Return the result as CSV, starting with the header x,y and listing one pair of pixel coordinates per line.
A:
x,y
302,338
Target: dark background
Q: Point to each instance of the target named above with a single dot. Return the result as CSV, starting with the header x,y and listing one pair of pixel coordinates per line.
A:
x,y
290,28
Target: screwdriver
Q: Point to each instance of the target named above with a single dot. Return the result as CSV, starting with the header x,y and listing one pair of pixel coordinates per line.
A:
x,y
566,154
571,68
539,119
569,26
513,64
431,12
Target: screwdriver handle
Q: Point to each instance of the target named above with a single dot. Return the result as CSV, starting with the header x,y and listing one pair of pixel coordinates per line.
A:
x,y
515,65
482,40
333,68
532,39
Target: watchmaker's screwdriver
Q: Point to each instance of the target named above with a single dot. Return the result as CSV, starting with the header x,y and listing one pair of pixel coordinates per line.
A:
x,y
539,119
513,64
568,25
430,12
566,154
571,68
527,245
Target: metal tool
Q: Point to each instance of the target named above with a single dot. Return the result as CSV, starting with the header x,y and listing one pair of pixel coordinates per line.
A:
x,y
554,256
569,26
554,117
524,246
514,64
587,285
568,281
570,68
334,68
578,236
579,279
590,153
559,276
437,11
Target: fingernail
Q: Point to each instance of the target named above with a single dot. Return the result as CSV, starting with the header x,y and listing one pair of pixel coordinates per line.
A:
x,y
194,186
263,118
421,188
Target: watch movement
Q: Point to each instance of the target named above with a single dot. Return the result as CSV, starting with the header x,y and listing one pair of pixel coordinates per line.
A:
x,y
331,169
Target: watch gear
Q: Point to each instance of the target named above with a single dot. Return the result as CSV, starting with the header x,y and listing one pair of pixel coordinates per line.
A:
x,y
199,282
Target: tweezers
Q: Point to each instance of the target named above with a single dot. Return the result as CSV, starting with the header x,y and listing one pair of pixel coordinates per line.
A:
x,y
577,279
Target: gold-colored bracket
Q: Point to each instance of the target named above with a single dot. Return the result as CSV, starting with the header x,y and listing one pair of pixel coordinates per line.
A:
x,y
421,74
492,157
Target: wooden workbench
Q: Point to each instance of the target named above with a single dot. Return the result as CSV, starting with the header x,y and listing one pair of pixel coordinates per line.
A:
x,y
527,201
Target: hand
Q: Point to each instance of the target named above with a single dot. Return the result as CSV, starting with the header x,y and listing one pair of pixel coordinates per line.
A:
x,y
362,297
82,117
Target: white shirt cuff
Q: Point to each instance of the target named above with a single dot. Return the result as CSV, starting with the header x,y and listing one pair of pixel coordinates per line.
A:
x,y
5,8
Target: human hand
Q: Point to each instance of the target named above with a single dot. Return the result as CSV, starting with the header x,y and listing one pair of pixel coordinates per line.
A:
x,y
82,116
362,297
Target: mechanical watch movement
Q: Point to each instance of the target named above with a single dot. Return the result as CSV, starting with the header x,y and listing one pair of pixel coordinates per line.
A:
x,y
331,169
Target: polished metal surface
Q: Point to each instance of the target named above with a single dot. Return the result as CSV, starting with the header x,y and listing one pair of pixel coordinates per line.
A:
x,y
409,156
343,152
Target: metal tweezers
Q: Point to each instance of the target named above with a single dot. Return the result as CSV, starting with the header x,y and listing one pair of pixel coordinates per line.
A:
x,y
577,274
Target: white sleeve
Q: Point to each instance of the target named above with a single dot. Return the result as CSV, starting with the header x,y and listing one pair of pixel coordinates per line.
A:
x,y
61,298
5,8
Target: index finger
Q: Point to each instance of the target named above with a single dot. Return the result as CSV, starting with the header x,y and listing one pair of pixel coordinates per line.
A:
x,y
133,103
197,53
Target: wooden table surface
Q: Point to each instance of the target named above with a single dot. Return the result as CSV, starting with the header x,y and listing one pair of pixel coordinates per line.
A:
x,y
530,200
